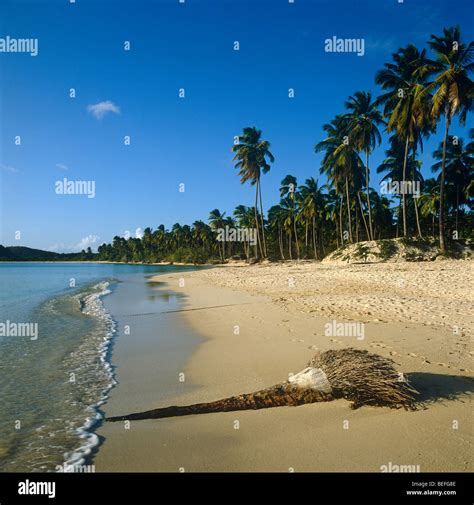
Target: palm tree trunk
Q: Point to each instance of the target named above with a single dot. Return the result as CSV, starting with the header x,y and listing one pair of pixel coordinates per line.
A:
x,y
415,198
349,211
371,237
289,245
442,224
263,222
259,244
403,186
363,218
457,208
284,394
314,239
398,215
280,241
415,203
357,226
296,239
296,233
340,222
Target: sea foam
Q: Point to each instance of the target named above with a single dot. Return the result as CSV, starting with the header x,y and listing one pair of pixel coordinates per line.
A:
x,y
92,305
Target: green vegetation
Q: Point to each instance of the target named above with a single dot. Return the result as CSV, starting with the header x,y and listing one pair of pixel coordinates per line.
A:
x,y
362,251
387,249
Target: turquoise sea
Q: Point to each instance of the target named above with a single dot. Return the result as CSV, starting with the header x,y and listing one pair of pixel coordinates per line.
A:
x,y
52,386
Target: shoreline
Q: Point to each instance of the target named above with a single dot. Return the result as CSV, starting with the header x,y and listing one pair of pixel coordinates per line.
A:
x,y
277,335
103,262
150,348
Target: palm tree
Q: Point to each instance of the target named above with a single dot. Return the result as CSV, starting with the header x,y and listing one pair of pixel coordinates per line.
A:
x,y
186,235
332,213
470,152
406,102
251,154
382,215
453,94
276,218
416,176
429,201
287,216
394,164
364,121
176,235
208,237
250,220
230,222
341,162
346,158
470,146
159,239
217,221
288,189
147,241
241,213
459,166
198,232
312,208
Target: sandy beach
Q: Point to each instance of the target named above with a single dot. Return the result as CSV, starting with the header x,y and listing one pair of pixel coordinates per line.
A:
x,y
261,323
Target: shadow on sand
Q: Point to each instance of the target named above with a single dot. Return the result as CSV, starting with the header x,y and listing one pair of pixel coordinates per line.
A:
x,y
435,387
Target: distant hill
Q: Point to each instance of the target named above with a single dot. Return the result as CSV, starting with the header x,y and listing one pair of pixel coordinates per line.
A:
x,y
17,253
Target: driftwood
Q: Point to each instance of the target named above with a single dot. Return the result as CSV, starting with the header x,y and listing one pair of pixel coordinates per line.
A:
x,y
358,376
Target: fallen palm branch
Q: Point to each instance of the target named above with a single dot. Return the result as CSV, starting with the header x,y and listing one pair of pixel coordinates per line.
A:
x,y
358,376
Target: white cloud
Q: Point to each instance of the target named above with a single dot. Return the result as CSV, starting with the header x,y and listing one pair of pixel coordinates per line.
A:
x,y
8,168
59,247
91,241
62,166
139,233
99,110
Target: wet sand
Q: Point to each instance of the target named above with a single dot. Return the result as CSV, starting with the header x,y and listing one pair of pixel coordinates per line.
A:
x,y
149,352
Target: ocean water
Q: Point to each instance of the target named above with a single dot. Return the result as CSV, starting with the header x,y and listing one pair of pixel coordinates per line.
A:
x,y
55,360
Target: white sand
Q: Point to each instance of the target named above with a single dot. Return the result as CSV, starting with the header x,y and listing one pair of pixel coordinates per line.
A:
x,y
419,314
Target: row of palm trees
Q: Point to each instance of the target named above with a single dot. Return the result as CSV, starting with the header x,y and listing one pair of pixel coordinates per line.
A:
x,y
197,243
311,220
417,92
308,221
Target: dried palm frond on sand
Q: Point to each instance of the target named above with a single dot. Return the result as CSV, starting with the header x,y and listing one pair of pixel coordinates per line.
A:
x,y
358,376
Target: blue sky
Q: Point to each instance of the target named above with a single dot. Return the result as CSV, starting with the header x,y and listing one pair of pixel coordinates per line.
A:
x,y
175,140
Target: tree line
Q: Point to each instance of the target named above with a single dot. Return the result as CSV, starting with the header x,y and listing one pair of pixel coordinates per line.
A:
x,y
418,91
